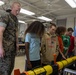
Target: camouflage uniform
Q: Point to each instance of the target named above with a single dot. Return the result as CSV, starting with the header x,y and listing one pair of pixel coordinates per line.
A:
x,y
10,22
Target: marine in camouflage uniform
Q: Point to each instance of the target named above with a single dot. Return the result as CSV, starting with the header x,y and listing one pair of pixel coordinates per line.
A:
x,y
10,22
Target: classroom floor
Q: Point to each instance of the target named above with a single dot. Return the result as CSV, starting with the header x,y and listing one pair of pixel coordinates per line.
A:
x,y
19,63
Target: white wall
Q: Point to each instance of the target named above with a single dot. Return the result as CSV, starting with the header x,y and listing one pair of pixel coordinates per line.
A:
x,y
70,19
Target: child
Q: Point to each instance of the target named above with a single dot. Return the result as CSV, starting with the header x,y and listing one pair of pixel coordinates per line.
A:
x,y
66,43
60,31
32,44
49,46
71,48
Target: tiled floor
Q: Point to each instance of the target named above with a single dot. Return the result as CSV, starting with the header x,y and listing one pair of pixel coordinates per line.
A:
x,y
19,63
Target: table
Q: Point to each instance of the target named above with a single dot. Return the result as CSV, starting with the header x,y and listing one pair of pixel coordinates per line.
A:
x,y
21,50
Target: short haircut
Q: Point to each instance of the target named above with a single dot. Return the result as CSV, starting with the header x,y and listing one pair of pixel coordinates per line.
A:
x,y
15,4
52,24
60,30
70,29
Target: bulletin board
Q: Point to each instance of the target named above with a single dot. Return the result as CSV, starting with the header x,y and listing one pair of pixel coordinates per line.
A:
x,y
61,22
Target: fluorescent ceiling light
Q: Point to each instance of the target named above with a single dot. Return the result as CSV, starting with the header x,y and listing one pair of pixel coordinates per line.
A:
x,y
44,18
21,21
1,3
26,12
72,3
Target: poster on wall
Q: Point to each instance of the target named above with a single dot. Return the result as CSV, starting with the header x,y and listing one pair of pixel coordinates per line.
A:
x,y
61,22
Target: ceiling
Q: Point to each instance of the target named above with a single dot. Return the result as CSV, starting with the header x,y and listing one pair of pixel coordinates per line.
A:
x,y
47,8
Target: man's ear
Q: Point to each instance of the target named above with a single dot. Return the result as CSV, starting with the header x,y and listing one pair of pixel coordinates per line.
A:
x,y
8,10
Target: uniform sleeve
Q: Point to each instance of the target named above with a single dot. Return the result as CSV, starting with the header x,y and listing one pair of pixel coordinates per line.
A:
x,y
17,25
4,20
27,37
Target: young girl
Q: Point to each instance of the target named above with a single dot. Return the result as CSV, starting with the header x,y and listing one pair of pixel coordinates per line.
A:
x,y
60,31
32,44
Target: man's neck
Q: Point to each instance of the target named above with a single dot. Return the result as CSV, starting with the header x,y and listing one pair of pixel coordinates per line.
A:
x,y
52,33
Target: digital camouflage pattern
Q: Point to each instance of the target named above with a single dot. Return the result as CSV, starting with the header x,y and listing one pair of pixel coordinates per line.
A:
x,y
10,22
